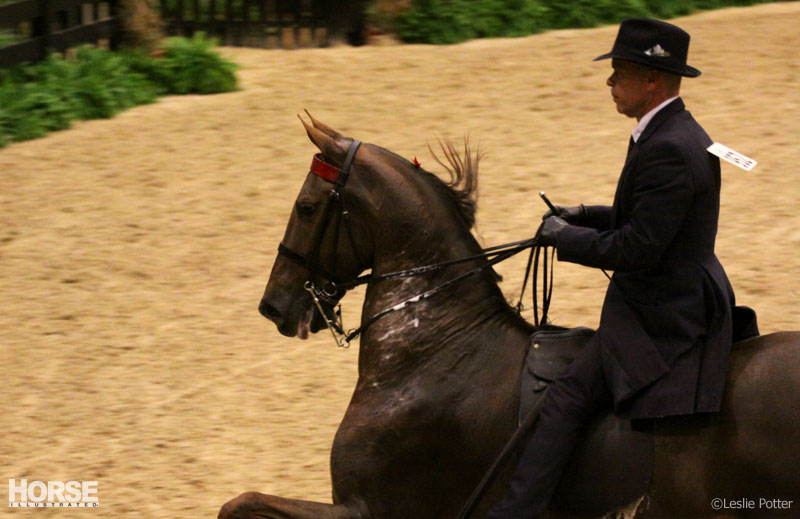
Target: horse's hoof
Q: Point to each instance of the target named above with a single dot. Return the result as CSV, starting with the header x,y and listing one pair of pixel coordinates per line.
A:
x,y
240,507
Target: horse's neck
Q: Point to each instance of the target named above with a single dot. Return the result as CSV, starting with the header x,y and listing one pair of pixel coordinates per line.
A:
x,y
454,331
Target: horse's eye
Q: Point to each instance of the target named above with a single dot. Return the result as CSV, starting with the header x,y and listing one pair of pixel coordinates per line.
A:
x,y
305,208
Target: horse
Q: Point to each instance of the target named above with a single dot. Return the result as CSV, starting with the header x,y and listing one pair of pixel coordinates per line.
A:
x,y
438,380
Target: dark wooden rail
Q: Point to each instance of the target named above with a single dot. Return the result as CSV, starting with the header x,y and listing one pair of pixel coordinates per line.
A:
x,y
41,26
266,23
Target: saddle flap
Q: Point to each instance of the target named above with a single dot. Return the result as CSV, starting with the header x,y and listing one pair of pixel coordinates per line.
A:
x,y
552,351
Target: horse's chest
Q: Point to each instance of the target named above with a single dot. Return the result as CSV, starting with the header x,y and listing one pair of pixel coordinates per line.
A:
x,y
391,433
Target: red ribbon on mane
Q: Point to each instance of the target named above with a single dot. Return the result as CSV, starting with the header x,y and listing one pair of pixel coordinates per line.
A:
x,y
324,170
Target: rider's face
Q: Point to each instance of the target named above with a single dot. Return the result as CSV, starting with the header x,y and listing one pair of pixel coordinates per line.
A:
x,y
629,87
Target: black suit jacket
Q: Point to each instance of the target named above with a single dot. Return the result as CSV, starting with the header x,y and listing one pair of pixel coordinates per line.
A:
x,y
666,323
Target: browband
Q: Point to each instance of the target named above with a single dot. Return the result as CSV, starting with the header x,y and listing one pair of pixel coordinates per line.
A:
x,y
331,173
322,169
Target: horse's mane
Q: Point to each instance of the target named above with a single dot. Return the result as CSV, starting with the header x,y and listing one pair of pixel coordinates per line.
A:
x,y
462,188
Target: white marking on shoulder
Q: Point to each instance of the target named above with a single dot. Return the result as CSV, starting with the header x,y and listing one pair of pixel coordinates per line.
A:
x,y
734,157
389,333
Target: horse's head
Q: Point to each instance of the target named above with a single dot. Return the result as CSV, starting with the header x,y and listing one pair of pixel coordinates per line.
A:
x,y
326,240
365,207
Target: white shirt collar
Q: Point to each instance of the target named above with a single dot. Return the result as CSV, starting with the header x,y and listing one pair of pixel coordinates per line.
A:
x,y
643,122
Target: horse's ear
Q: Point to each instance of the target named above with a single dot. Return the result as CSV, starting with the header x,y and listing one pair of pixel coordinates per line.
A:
x,y
327,130
333,149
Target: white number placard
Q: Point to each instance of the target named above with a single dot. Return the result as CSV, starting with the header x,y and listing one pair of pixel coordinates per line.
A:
x,y
734,157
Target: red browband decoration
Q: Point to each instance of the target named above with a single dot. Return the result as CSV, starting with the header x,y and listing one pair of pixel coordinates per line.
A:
x,y
322,169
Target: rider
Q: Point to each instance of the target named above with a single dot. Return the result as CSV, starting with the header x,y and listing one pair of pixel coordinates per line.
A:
x,y
667,322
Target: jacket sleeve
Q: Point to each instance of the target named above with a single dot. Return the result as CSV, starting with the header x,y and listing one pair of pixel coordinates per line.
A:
x,y
597,217
662,194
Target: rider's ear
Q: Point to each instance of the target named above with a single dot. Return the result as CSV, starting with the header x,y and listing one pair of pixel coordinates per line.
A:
x,y
332,149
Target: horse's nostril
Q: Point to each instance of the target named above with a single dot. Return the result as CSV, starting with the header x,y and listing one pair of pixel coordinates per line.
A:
x,y
270,312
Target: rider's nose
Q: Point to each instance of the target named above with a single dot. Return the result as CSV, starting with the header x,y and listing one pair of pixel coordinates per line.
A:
x,y
270,312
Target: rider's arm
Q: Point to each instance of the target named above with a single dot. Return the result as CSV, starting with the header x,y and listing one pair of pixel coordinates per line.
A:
x,y
597,217
662,195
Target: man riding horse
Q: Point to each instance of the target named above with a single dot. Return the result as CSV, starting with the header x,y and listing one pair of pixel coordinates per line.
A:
x,y
669,315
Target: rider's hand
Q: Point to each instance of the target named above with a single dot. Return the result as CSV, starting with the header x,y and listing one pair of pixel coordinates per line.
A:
x,y
548,231
572,215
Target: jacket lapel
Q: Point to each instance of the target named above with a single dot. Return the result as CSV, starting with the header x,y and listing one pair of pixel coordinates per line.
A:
x,y
658,119
630,159
633,151
633,148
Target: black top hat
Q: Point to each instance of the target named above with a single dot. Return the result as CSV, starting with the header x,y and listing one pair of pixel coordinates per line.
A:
x,y
653,43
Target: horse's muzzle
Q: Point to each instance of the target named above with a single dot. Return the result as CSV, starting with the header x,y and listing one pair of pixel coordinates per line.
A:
x,y
270,312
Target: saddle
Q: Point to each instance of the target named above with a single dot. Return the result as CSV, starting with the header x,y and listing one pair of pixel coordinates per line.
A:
x,y
613,462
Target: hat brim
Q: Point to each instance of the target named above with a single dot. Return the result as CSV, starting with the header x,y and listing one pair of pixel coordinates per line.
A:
x,y
686,71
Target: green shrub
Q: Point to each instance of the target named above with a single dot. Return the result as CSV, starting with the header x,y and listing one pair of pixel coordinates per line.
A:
x,y
452,21
34,112
154,70
34,100
192,66
589,13
97,83
105,85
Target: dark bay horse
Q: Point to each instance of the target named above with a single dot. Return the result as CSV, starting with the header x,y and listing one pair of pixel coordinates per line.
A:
x,y
438,384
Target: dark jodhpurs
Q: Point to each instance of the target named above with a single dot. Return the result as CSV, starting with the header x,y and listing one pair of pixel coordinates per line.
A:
x,y
572,401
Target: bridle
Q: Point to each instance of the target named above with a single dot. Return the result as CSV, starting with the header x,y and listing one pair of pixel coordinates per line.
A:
x,y
332,289
329,290
338,176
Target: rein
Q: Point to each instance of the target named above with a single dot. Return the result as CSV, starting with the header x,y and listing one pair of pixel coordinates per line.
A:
x,y
508,250
327,294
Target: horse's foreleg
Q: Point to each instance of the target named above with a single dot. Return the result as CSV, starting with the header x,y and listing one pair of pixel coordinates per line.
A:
x,y
253,505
